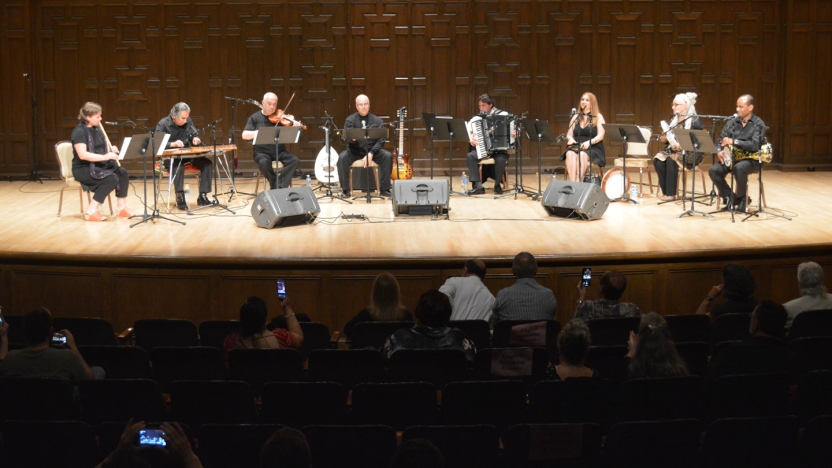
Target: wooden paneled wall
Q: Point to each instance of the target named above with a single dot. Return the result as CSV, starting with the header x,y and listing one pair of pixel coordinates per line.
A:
x,y
139,58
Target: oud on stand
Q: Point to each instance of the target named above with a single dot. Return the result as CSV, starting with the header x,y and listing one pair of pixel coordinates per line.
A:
x,y
326,163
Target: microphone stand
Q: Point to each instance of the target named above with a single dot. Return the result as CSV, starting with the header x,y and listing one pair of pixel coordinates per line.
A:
x,y
215,203
732,202
760,207
518,160
231,141
684,176
714,119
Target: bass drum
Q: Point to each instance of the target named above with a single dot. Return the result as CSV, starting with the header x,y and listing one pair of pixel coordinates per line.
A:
x,y
612,183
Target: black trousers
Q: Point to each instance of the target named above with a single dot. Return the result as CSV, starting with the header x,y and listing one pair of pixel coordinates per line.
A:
x,y
385,167
500,161
719,172
206,172
668,172
102,187
290,163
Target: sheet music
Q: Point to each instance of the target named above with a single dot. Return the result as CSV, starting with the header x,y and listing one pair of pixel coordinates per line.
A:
x,y
124,146
163,144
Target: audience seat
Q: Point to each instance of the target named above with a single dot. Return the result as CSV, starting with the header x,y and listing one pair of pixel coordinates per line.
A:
x,y
499,403
150,333
751,442
87,331
814,450
351,446
186,363
214,332
461,446
197,402
65,444
118,400
118,362
477,331
729,327
348,367
502,337
486,365
608,361
574,400
811,323
259,366
672,443
398,405
437,366
374,334
659,399
612,331
299,404
553,445
695,355
687,328
230,445
37,399
748,396
814,396
813,353
315,336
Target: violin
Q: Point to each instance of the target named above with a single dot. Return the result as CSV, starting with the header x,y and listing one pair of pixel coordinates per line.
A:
x,y
280,117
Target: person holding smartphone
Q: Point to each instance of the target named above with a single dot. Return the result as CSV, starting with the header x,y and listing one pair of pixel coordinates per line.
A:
x,y
176,451
253,333
613,284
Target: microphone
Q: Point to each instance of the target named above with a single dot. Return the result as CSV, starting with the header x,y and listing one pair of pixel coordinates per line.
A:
x,y
111,123
733,117
574,111
25,75
677,116
363,124
232,99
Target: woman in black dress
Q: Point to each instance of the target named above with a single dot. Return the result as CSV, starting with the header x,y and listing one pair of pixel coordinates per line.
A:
x,y
666,162
95,163
585,134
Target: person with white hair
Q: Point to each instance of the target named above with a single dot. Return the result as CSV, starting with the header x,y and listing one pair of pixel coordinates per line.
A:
x,y
183,134
814,295
667,160
265,155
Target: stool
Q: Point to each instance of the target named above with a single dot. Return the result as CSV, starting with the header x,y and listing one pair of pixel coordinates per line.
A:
x,y
490,161
360,165
277,166
640,163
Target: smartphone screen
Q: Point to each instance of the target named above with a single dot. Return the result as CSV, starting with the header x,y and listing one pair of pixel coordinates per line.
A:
x,y
58,339
586,277
151,437
281,290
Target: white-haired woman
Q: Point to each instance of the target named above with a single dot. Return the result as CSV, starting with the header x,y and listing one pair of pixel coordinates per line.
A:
x,y
666,161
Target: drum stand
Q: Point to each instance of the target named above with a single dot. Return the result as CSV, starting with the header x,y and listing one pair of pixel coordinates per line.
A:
x,y
624,134
693,140
518,166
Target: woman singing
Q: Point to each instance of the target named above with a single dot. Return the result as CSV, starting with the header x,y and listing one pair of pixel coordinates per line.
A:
x,y
586,131
684,116
95,163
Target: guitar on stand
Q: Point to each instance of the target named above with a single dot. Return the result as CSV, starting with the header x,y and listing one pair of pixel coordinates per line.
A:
x,y
402,170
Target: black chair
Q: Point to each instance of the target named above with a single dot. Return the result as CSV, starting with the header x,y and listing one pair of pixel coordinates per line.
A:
x,y
150,333
67,444
197,402
814,450
751,442
814,395
729,327
437,366
499,403
504,338
608,362
351,446
673,443
225,445
37,399
348,367
554,445
186,363
398,405
299,404
87,331
502,363
461,446
315,336
695,355
659,399
688,328
16,336
374,334
214,332
811,323
118,400
477,331
613,331
748,396
574,400
118,362
259,366
813,353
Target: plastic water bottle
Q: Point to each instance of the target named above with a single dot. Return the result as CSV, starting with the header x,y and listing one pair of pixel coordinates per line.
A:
x,y
464,179
308,181
633,191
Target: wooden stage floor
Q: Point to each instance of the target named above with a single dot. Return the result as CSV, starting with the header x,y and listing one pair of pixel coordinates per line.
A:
x,y
478,226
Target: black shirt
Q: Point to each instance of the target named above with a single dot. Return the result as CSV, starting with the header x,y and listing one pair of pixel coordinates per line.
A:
x,y
360,148
749,138
185,133
79,135
256,121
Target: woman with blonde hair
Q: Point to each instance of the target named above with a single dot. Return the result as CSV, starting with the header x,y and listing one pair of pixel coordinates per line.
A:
x,y
385,304
666,161
585,139
95,163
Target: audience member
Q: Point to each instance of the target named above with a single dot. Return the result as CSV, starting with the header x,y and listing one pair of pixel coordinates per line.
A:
x,y
177,453
40,358
763,352
613,284
253,333
417,453
652,352
573,345
470,299
525,299
737,286
432,332
287,448
813,292
385,304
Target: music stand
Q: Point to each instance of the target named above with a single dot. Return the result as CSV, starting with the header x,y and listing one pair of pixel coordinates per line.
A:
x,y
275,136
696,141
366,134
621,133
539,130
451,130
136,147
428,118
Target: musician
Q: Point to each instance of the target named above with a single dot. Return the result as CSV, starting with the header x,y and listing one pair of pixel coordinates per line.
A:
x,y
366,150
183,134
486,105
666,161
746,132
586,129
95,163
265,155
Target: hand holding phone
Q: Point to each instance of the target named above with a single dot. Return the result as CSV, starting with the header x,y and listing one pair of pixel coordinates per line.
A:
x,y
58,340
281,290
151,436
586,277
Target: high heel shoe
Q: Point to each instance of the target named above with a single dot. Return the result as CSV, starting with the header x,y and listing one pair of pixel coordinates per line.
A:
x,y
125,213
97,216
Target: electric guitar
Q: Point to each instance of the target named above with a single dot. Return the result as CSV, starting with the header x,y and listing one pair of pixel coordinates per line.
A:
x,y
402,170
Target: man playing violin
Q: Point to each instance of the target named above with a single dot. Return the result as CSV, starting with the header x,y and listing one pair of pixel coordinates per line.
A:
x,y
265,155
183,134
367,150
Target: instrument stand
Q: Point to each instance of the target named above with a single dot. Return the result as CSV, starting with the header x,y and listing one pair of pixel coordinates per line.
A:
x,y
366,134
539,130
328,125
518,166
450,130
233,190
697,141
215,203
623,134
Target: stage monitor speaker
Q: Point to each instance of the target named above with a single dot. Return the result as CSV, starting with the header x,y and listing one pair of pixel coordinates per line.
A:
x,y
584,199
420,197
285,207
